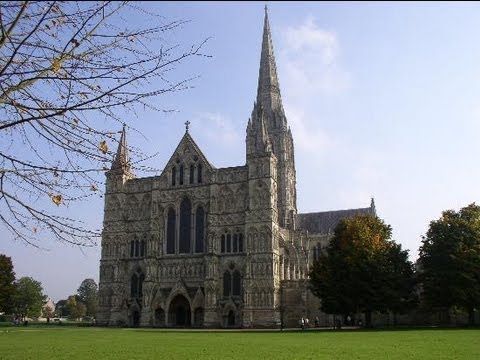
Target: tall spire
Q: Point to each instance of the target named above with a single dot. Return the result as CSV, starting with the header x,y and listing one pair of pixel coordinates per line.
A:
x,y
121,161
268,93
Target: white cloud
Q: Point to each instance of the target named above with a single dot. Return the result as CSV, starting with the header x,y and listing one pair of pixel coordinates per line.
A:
x,y
222,138
312,140
309,69
217,128
311,61
308,37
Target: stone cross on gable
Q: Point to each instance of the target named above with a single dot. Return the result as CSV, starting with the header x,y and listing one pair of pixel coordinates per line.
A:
x,y
187,124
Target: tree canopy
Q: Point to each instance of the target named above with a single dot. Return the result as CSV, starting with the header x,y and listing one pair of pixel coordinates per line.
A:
x,y
450,261
7,284
75,307
363,270
88,295
29,297
70,74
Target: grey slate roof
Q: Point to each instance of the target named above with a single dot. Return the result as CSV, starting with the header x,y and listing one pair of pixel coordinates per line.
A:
x,y
325,222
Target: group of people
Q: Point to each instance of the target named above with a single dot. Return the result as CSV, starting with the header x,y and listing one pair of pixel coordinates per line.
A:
x,y
304,323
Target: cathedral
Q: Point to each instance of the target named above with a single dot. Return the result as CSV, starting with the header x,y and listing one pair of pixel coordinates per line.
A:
x,y
199,246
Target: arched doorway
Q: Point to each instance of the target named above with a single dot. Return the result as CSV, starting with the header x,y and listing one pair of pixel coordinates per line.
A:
x,y
159,317
136,318
179,312
231,318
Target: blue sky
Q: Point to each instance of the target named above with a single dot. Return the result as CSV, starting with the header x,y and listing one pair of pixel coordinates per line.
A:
x,y
382,99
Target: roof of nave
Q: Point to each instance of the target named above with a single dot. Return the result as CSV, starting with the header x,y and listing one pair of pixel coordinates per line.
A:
x,y
325,222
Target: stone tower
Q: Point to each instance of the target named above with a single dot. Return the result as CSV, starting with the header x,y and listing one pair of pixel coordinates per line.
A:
x,y
269,109
111,279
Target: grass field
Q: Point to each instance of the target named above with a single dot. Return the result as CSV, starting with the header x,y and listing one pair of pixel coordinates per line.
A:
x,y
99,343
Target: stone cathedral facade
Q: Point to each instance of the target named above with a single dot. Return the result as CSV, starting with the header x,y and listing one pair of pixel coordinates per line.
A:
x,y
214,247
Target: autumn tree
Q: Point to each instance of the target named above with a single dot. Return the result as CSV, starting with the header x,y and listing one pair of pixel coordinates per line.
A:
x,y
88,295
29,297
70,74
363,270
7,284
450,261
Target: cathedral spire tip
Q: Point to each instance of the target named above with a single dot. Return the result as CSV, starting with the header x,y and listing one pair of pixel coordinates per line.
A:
x,y
122,160
268,91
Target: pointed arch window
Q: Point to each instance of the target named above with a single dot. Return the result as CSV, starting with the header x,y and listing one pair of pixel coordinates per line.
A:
x,y
174,175
199,173
192,173
236,283
171,223
222,245
137,248
141,279
180,181
227,283
132,248
232,282
240,242
199,229
235,242
136,284
185,226
142,248
229,243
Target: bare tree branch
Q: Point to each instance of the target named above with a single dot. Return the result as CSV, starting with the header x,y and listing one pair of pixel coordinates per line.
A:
x,y
69,72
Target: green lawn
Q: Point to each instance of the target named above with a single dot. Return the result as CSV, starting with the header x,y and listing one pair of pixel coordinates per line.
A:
x,y
99,343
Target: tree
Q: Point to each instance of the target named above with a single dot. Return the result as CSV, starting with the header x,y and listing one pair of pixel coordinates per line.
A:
x,y
400,295
7,284
29,298
88,295
450,261
70,72
75,307
362,270
61,308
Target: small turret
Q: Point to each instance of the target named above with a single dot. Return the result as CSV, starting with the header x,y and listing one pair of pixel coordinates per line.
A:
x,y
372,207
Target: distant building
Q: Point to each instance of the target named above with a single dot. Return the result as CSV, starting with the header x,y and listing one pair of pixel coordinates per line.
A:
x,y
48,307
201,246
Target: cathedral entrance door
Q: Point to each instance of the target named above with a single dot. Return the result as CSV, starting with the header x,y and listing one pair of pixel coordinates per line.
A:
x,y
231,318
179,312
136,319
